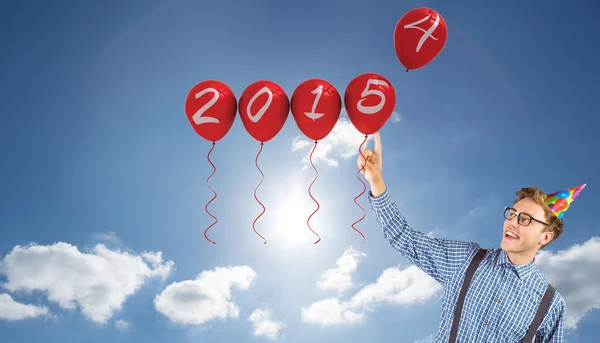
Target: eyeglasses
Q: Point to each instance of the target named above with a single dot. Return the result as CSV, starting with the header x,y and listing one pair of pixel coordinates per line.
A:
x,y
522,218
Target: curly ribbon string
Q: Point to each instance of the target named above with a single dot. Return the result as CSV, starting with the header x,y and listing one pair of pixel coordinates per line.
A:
x,y
364,188
214,196
261,181
309,193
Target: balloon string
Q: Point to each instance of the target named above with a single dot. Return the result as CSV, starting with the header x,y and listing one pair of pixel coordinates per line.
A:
x,y
309,193
261,181
364,188
214,196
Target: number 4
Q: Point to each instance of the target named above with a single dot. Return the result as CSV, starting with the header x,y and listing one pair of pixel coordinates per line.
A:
x,y
366,92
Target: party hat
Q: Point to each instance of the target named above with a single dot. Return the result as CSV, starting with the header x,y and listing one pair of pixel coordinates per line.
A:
x,y
560,201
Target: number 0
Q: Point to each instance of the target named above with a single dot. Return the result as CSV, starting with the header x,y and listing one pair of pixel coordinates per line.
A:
x,y
259,114
366,92
198,118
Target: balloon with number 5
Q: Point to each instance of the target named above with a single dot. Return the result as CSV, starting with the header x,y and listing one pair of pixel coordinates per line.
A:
x,y
316,106
211,107
419,36
369,100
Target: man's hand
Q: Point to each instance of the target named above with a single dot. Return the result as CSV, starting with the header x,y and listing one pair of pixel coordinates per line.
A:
x,y
372,169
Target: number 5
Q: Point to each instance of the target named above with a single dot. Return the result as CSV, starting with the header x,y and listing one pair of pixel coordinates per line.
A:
x,y
366,92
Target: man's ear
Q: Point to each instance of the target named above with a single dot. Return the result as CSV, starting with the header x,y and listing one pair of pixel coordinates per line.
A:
x,y
547,237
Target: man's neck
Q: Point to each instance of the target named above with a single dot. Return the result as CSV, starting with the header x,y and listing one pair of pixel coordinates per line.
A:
x,y
521,258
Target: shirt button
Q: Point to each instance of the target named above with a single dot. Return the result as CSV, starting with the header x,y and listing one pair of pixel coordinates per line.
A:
x,y
487,323
497,300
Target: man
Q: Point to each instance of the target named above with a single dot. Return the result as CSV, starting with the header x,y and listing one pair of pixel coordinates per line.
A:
x,y
506,289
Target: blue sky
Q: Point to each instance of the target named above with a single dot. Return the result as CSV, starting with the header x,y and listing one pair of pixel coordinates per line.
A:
x,y
103,172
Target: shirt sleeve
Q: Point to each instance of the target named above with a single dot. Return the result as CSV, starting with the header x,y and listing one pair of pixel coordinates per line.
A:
x,y
553,326
439,258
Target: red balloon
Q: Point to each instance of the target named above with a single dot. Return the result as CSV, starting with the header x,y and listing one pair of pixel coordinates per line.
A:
x,y
264,108
316,107
369,100
419,36
211,107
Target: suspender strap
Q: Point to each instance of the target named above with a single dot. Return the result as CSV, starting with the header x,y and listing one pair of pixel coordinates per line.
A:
x,y
463,292
542,309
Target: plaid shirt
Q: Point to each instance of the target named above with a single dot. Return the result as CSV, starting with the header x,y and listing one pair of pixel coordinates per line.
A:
x,y
502,299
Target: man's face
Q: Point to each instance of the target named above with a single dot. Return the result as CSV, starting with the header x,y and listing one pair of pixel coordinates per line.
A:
x,y
528,237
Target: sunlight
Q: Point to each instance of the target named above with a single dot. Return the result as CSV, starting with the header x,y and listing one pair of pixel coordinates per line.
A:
x,y
288,228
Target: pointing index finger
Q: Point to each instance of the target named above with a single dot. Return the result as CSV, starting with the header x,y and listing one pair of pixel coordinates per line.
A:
x,y
377,144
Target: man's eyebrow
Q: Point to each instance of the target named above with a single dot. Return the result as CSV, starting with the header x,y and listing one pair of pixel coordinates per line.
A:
x,y
524,213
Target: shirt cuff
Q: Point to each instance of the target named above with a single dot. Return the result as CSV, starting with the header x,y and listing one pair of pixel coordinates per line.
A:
x,y
380,201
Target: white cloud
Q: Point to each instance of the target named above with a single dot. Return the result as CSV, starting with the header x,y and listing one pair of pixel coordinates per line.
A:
x,y
395,117
428,339
340,278
399,287
12,310
98,282
331,311
206,298
109,237
575,273
122,324
264,325
394,286
342,143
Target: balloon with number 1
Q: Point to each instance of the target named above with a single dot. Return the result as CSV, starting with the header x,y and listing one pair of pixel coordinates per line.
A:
x,y
316,106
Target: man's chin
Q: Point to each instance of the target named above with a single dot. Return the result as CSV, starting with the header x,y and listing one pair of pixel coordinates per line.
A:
x,y
508,246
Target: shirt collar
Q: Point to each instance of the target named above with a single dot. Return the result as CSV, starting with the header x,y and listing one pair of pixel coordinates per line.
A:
x,y
522,271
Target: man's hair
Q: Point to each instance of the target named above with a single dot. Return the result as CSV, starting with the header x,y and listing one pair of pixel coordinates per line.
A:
x,y
555,224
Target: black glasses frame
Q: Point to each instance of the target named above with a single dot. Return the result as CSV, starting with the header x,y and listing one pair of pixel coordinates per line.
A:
x,y
507,211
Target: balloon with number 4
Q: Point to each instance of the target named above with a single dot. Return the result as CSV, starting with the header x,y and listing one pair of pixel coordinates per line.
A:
x,y
211,107
264,108
419,36
316,106
369,100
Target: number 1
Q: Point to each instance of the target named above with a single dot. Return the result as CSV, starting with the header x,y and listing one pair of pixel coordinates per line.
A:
x,y
312,115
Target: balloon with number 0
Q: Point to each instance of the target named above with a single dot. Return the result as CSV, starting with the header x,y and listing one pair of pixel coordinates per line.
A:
x,y
264,108
369,100
211,107
316,105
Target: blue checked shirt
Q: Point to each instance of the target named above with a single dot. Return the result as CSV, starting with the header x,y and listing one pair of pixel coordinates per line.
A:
x,y
502,299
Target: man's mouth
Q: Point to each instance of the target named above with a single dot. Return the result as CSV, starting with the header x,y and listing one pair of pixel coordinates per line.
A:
x,y
511,235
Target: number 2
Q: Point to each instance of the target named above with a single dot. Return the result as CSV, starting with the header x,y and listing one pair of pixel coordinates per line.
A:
x,y
255,118
198,118
366,92
312,115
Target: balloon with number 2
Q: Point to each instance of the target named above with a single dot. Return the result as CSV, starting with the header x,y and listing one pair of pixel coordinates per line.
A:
x,y
210,108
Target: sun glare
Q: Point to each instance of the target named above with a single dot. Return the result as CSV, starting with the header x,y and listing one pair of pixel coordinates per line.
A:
x,y
288,226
